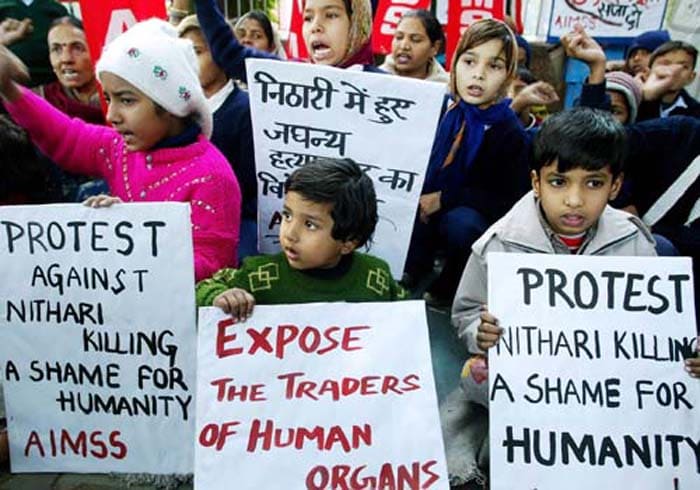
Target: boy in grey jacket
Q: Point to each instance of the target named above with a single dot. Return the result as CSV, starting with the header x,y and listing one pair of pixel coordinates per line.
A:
x,y
576,170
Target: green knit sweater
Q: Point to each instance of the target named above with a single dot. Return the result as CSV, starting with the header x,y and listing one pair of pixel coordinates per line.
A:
x,y
271,281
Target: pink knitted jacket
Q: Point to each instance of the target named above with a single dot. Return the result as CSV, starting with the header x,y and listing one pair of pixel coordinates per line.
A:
x,y
195,173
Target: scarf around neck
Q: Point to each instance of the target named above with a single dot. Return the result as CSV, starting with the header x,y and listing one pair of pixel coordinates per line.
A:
x,y
458,139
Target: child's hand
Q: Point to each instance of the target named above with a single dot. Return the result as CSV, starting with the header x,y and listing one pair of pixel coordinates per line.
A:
x,y
538,93
488,332
101,201
578,44
660,80
692,365
13,30
239,303
11,69
429,204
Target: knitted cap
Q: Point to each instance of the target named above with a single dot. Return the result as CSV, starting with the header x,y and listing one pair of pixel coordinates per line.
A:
x,y
649,40
619,81
152,58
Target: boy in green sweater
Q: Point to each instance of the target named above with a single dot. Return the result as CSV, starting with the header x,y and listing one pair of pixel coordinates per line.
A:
x,y
330,209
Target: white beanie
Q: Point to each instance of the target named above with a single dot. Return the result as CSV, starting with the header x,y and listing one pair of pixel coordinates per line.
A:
x,y
152,58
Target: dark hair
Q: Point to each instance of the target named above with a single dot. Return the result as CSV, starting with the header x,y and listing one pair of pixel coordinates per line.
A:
x,y
580,138
343,184
430,23
525,75
68,19
21,170
264,21
669,46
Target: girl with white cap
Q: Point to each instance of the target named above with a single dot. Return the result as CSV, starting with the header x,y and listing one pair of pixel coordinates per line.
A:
x,y
157,148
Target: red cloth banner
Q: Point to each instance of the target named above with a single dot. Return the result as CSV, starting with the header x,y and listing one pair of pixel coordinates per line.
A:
x,y
462,13
386,19
106,19
516,13
295,46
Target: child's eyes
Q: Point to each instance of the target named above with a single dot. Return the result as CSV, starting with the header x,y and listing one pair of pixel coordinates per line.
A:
x,y
286,215
307,18
126,101
556,182
311,225
496,66
595,184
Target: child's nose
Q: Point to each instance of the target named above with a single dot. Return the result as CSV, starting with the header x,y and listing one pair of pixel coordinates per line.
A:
x,y
112,115
290,232
573,199
316,24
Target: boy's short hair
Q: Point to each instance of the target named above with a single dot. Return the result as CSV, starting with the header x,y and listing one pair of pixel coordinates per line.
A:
x,y
580,138
343,184
674,46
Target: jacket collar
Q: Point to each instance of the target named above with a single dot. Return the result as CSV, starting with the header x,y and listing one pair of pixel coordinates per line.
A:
x,y
517,228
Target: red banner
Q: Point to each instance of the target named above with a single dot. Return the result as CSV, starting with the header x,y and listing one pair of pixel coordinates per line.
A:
x,y
462,13
295,46
386,19
516,13
106,19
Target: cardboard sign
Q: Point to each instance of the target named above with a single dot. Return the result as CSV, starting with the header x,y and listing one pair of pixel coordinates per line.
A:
x,y
606,19
318,396
97,337
386,124
587,383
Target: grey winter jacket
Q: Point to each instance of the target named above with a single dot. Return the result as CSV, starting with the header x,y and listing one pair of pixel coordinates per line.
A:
x,y
524,230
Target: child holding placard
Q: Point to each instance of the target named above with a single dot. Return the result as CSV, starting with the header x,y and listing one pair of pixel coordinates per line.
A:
x,y
330,209
576,170
157,149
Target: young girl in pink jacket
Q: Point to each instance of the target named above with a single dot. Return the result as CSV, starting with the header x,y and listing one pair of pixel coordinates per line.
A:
x,y
157,148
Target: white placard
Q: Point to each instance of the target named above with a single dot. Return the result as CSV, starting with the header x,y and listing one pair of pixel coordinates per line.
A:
x,y
587,382
318,396
606,19
97,322
385,123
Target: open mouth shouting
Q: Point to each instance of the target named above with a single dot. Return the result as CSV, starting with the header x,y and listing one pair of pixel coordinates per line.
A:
x,y
321,52
475,91
403,58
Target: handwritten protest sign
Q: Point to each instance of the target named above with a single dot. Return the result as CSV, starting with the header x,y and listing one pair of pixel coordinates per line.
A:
x,y
587,383
97,337
606,19
386,124
318,396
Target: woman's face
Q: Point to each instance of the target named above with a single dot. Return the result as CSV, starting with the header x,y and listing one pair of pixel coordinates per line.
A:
x,y
326,31
250,33
412,49
70,58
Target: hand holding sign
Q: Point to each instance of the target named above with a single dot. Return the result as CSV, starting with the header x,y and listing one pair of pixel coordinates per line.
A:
x,y
489,332
239,303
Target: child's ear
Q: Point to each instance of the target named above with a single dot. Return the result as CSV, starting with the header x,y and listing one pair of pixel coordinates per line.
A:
x,y
348,246
535,181
436,48
616,186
